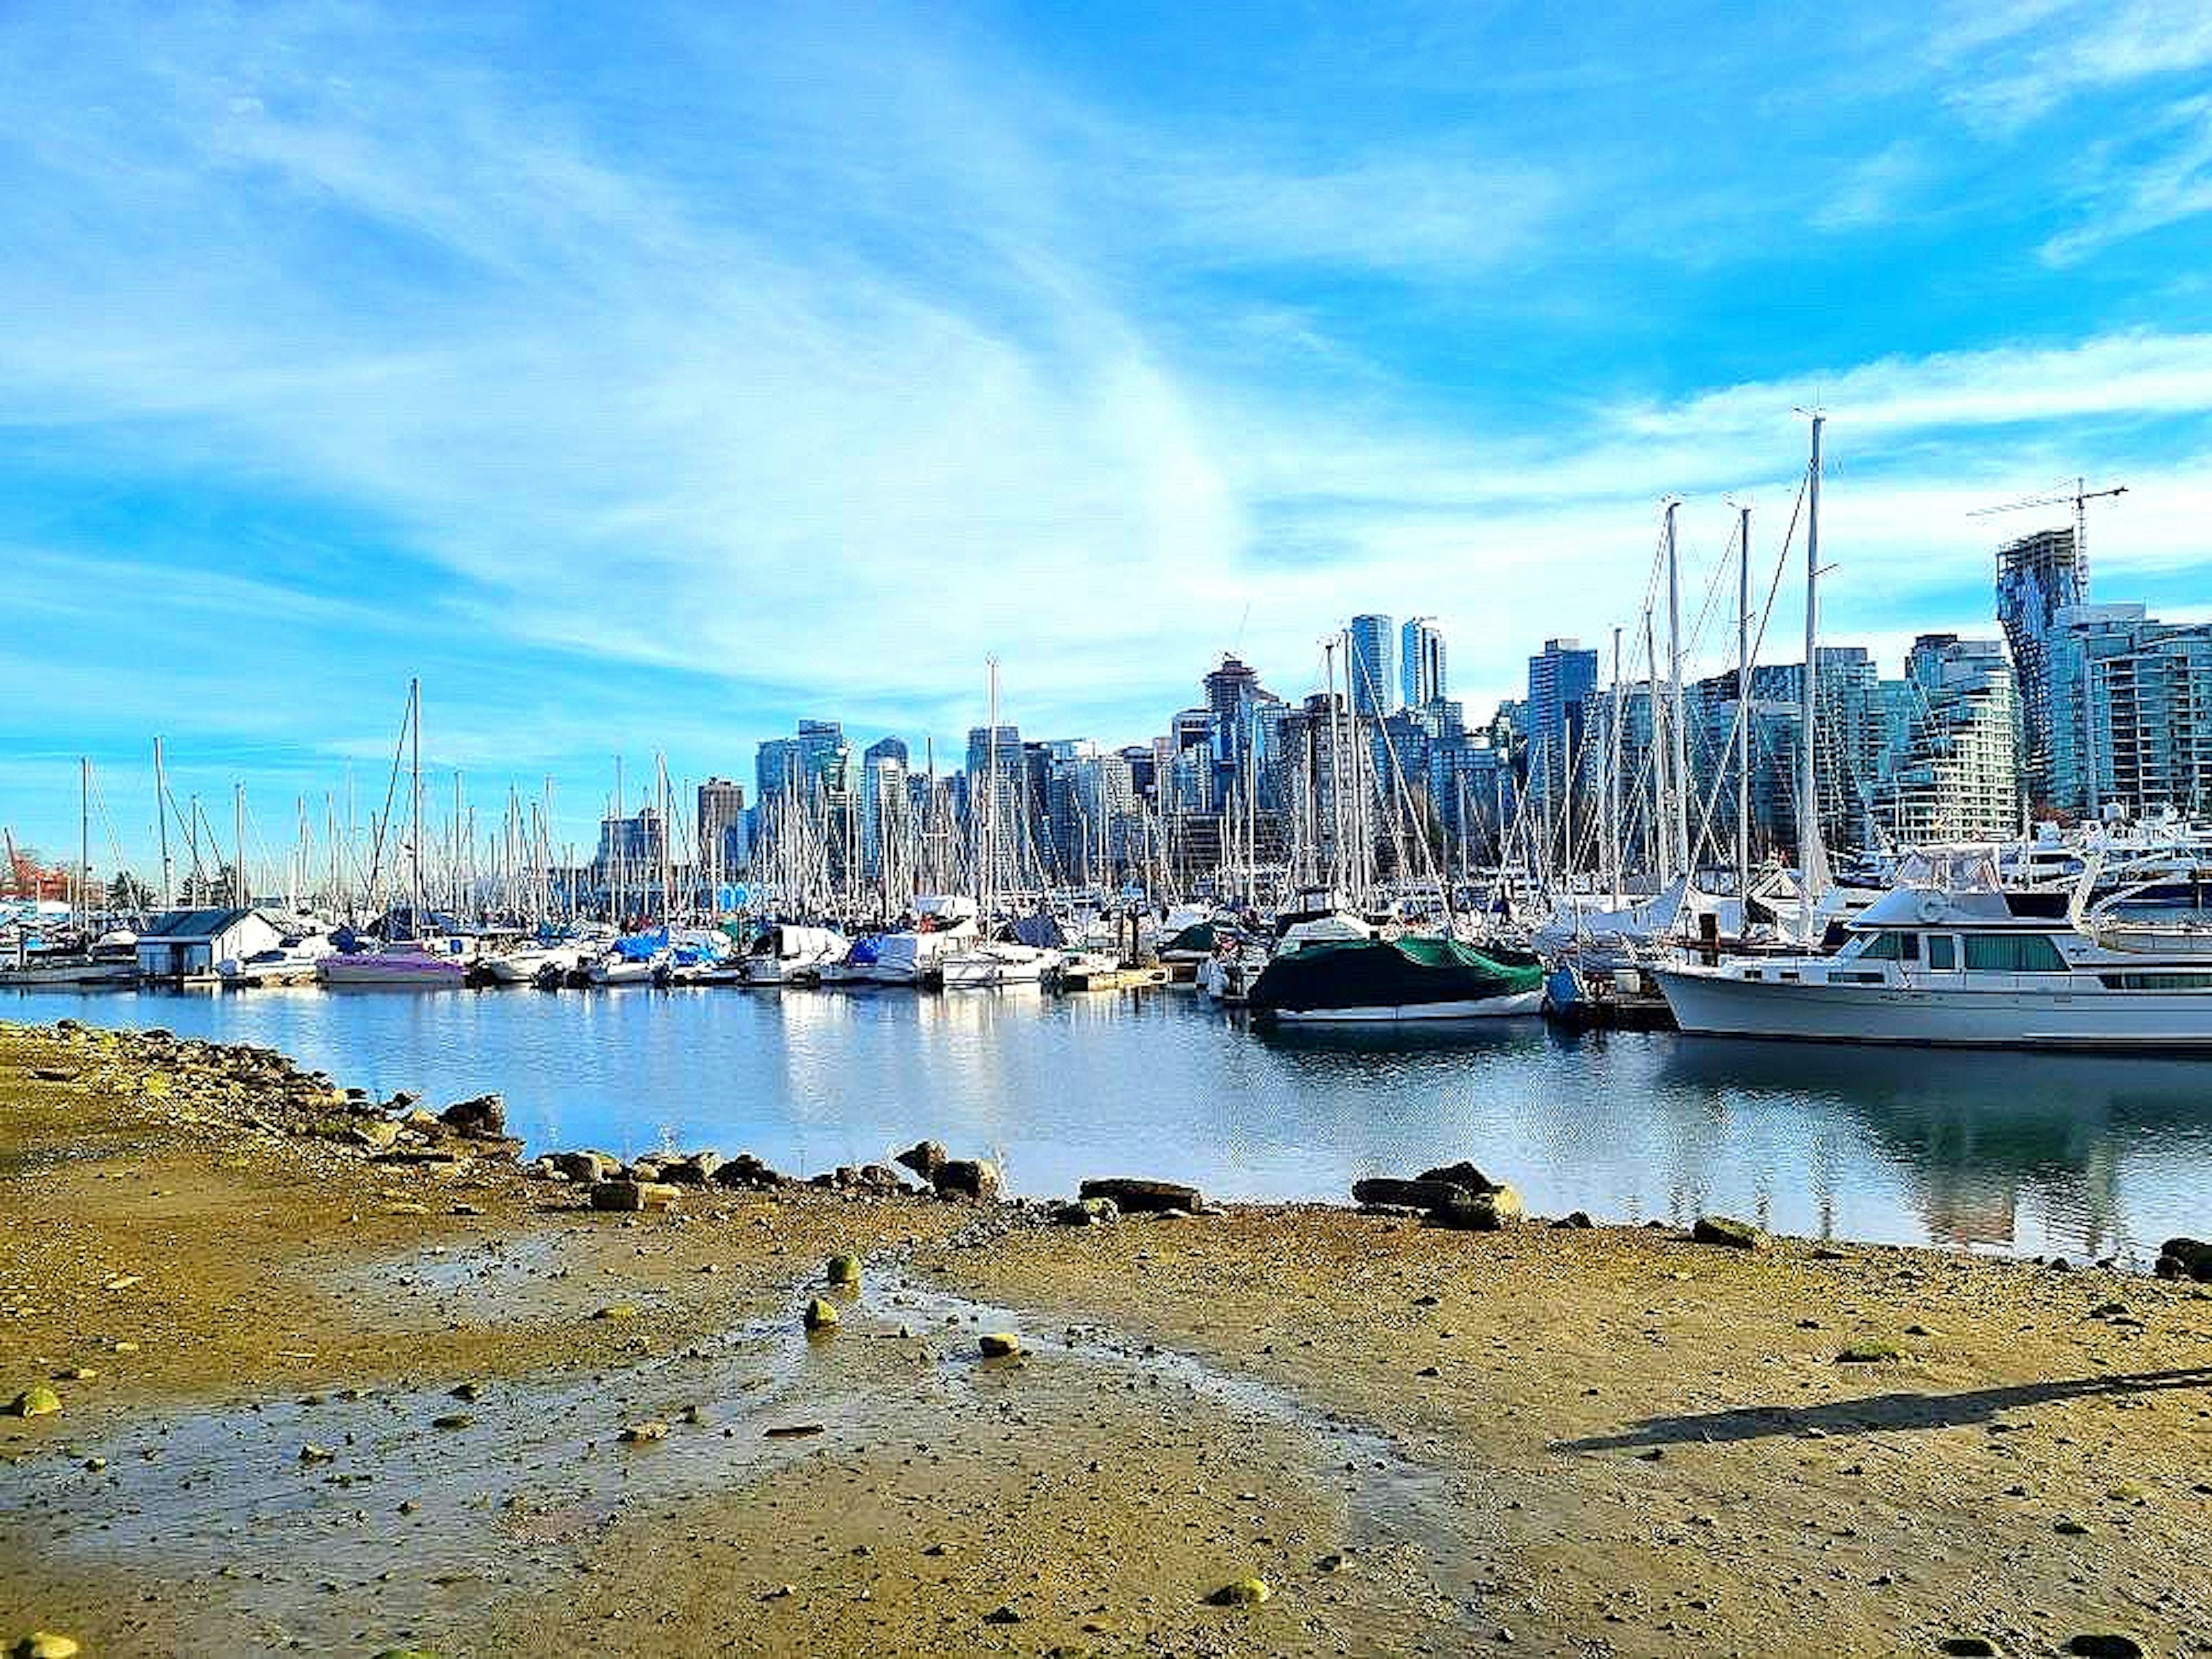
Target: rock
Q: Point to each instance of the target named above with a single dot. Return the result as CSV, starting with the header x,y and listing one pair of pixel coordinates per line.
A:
x,y
1969,1647
746,1170
617,1311
925,1159
821,1316
1727,1229
880,1178
586,1166
1388,1192
644,1434
452,1420
2106,1645
1083,1212
998,1344
842,1270
377,1134
1137,1197
1574,1218
470,1392
2194,1255
1462,1174
693,1168
37,1401
485,1115
1870,1353
1243,1593
633,1195
1479,1212
45,1644
1002,1615
311,1453
970,1177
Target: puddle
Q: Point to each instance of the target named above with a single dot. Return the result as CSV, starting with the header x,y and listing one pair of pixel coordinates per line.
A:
x,y
397,1526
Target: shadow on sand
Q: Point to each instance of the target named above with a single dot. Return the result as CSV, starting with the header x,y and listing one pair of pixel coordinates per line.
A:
x,y
1879,1413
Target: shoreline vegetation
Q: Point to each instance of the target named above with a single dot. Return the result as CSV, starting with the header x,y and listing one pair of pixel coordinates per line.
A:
x,y
290,1366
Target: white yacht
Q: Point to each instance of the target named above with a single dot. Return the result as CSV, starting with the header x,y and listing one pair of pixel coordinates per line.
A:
x,y
908,957
996,962
787,953
1951,956
295,959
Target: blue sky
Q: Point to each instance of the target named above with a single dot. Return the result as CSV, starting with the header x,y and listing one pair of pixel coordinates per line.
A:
x,y
647,377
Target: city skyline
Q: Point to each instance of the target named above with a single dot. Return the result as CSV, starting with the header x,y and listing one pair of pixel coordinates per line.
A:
x,y
380,344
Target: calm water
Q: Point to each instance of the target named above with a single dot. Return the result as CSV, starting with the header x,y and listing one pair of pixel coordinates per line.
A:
x,y
2077,1155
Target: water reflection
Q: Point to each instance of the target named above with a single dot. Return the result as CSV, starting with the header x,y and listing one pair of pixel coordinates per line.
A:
x,y
2079,1155
2004,1149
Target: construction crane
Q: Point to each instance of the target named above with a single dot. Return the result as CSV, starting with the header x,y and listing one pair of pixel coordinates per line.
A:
x,y
2081,495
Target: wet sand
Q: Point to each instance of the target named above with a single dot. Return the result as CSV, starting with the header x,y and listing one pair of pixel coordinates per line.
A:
x,y
1612,1441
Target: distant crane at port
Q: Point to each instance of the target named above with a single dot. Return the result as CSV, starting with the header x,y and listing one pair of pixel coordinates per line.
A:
x,y
2081,495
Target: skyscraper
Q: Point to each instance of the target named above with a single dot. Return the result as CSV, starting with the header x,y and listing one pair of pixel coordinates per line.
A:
x,y
884,814
1228,685
2038,576
1421,661
1561,680
1370,666
721,812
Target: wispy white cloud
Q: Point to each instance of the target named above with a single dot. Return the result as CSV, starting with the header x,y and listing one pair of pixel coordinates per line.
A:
x,y
2022,61
2160,176
1874,190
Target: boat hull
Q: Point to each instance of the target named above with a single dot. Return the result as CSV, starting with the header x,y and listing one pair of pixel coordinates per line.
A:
x,y
1509,1007
84,975
1711,1004
372,976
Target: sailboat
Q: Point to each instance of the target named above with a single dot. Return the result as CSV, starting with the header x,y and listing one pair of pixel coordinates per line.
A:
x,y
416,952
988,963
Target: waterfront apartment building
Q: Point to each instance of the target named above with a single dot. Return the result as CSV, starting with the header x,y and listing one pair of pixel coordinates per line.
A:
x,y
2038,576
1952,771
2129,714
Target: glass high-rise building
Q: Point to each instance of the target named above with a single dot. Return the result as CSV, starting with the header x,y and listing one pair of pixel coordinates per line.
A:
x,y
2038,576
1421,661
1370,666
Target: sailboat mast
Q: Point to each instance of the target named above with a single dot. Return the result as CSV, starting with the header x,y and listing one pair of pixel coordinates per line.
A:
x,y
238,840
1681,767
1613,775
1655,850
415,796
83,839
162,817
1743,702
1810,858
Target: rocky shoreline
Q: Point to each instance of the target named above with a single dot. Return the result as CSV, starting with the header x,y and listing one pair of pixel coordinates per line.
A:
x,y
1118,1418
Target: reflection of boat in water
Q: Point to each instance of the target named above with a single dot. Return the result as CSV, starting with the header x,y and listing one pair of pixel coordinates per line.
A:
x,y
1355,1044
1976,1129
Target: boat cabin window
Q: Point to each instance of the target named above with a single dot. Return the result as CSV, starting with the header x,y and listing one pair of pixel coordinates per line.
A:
x,y
1943,952
2014,953
1892,947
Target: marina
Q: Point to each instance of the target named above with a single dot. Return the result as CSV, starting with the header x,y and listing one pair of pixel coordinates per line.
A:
x,y
2084,1157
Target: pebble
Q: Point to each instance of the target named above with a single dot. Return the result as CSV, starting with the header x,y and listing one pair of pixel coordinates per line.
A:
x,y
1242,1593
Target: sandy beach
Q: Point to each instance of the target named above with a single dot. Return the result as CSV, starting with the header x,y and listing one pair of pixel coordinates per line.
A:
x,y
330,1385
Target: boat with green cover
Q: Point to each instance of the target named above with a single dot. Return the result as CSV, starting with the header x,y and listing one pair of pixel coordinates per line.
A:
x,y
1377,980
